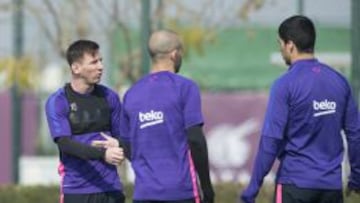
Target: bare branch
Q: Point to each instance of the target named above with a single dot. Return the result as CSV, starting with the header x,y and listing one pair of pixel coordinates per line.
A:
x,y
6,7
115,18
248,6
82,28
100,21
56,19
43,26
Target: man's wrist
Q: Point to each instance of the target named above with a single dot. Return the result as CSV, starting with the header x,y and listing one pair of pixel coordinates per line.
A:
x,y
103,153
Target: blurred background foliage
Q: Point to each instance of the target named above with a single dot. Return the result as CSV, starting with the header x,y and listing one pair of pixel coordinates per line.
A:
x,y
220,41
23,70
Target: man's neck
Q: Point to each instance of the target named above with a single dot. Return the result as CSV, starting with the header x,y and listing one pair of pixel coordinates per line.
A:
x,y
303,56
81,87
158,67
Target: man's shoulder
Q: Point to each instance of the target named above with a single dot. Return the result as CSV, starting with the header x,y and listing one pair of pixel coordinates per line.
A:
x,y
172,79
56,100
335,72
284,78
184,80
58,94
139,84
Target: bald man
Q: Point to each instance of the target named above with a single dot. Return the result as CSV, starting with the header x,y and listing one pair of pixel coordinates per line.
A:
x,y
162,121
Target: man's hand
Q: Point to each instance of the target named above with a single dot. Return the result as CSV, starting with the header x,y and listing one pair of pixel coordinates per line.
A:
x,y
249,195
245,199
107,143
114,155
350,190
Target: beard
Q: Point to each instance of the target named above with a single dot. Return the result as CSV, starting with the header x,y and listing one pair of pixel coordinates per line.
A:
x,y
178,64
287,61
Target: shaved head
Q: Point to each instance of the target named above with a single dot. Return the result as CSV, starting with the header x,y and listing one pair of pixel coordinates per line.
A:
x,y
163,42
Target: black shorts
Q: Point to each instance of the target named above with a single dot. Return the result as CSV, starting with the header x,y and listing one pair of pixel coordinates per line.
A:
x,y
154,201
292,194
104,197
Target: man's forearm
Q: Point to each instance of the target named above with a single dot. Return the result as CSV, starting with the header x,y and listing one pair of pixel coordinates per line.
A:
x,y
199,153
83,151
354,159
268,150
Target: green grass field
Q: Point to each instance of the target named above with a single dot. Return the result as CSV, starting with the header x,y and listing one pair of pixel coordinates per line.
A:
x,y
225,193
240,58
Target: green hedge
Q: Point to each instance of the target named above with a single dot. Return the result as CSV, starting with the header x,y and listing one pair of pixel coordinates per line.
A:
x,y
225,193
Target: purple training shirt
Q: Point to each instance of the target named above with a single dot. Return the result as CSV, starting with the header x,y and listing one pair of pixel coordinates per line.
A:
x,y
309,106
83,176
157,110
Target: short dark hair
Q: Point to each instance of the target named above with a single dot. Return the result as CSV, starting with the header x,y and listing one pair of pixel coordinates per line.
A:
x,y
301,31
77,49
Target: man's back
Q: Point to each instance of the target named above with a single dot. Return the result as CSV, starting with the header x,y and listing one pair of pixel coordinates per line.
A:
x,y
308,108
317,99
158,108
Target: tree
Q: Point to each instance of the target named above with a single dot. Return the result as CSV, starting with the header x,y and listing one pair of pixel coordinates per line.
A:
x,y
117,20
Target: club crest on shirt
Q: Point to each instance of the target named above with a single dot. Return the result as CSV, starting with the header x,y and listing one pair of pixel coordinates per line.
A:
x,y
73,106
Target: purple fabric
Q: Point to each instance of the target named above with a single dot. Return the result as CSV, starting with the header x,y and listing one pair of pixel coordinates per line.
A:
x,y
308,107
83,176
268,149
156,112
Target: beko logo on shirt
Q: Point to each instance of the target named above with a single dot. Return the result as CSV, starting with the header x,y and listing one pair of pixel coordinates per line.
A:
x,y
151,118
324,107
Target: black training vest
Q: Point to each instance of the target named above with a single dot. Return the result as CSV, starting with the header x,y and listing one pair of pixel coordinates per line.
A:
x,y
88,113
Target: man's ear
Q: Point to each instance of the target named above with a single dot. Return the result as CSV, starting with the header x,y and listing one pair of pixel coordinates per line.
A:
x,y
75,68
173,55
292,46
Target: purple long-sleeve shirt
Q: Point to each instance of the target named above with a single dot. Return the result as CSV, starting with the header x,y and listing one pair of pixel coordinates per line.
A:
x,y
308,108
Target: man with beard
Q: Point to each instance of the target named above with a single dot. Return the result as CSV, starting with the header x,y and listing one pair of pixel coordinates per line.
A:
x,y
308,108
162,122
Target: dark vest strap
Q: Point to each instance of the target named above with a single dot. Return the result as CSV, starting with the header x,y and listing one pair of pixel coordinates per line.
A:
x,y
90,113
